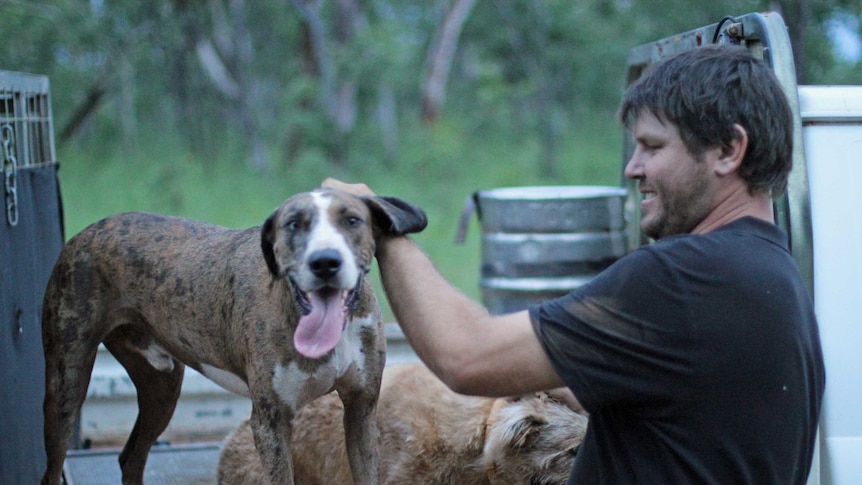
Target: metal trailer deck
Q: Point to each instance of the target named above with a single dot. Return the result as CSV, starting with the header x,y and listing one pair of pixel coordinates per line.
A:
x,y
190,464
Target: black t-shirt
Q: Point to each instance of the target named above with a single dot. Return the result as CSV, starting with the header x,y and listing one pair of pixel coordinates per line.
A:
x,y
698,358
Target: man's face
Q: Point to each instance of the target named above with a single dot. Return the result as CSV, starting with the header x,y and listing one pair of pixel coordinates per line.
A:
x,y
677,188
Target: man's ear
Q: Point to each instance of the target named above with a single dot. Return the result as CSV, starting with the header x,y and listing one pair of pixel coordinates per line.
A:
x,y
733,153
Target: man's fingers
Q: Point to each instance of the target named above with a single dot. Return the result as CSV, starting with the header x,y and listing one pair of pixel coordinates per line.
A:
x,y
355,189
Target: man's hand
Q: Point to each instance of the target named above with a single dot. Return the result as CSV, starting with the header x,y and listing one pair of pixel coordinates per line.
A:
x,y
359,189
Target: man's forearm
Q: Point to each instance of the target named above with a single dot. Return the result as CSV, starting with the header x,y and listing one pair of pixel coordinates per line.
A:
x,y
437,318
472,351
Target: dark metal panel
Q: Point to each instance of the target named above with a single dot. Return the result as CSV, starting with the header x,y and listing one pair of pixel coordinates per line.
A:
x,y
28,253
29,245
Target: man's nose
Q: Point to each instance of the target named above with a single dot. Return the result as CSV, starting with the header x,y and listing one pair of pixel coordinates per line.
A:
x,y
634,168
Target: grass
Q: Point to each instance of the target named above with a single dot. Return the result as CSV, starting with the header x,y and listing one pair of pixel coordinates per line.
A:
x,y
438,169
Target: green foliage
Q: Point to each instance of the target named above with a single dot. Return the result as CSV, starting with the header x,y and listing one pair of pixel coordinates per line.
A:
x,y
530,100
438,170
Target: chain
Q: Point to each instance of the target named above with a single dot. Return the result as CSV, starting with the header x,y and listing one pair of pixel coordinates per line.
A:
x,y
10,170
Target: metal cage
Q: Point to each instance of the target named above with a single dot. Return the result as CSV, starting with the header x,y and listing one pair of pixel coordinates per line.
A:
x,y
26,131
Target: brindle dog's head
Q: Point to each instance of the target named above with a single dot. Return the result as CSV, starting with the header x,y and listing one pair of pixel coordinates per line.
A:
x,y
323,243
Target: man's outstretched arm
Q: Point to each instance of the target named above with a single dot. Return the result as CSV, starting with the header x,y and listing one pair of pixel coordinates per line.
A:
x,y
472,351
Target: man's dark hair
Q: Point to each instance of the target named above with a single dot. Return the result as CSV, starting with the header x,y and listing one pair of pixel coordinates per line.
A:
x,y
704,92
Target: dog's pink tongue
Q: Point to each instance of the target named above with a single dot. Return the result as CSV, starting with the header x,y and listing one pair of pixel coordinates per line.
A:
x,y
319,331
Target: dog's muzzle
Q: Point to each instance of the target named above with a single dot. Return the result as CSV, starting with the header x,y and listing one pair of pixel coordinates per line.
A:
x,y
325,312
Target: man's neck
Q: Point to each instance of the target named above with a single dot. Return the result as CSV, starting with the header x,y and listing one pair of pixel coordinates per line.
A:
x,y
735,205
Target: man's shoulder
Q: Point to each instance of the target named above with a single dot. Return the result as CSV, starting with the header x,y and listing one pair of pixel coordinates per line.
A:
x,y
743,246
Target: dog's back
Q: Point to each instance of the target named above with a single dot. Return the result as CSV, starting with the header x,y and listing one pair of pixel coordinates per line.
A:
x,y
428,435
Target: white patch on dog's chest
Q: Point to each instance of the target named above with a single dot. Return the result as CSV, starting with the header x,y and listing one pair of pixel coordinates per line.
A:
x,y
296,387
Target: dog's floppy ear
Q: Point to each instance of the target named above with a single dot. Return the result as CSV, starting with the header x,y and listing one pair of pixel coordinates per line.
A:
x,y
513,429
394,216
523,432
267,239
514,426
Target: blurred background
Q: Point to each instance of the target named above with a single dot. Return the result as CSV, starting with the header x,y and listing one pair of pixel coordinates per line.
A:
x,y
220,109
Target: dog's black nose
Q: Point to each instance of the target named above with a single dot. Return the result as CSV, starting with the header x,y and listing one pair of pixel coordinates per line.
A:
x,y
325,263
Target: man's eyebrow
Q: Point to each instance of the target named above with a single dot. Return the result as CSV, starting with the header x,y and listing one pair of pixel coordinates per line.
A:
x,y
648,136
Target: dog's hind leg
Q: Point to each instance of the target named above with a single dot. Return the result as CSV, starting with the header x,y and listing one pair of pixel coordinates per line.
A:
x,y
158,379
70,346
67,375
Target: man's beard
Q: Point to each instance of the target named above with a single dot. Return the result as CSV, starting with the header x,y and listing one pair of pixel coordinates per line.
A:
x,y
681,210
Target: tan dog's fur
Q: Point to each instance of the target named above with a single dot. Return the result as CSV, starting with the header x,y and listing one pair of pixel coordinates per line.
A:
x,y
164,292
429,435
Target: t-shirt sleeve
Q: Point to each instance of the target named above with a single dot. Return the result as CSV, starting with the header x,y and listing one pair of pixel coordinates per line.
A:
x,y
624,337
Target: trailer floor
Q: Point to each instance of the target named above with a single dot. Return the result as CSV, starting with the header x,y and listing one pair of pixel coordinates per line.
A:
x,y
184,464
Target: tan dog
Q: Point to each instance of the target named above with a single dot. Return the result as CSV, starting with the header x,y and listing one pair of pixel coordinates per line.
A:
x,y
282,314
428,435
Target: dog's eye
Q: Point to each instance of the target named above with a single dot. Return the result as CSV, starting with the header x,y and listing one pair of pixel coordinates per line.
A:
x,y
291,225
352,221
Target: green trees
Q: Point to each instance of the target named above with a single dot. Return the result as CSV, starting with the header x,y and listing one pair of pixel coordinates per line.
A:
x,y
276,81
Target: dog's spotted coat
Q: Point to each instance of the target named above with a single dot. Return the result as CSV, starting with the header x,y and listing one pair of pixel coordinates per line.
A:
x,y
281,313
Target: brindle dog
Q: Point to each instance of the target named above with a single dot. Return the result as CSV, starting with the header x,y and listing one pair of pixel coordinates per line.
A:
x,y
282,313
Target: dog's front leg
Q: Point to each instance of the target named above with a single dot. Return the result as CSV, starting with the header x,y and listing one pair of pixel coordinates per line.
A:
x,y
272,426
360,432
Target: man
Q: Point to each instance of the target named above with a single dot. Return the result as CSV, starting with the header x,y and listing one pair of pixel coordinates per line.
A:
x,y
697,356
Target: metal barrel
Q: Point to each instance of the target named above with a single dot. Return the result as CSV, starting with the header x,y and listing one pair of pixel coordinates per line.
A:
x,y
542,242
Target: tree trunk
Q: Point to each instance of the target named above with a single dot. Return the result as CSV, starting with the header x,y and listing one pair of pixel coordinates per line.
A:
x,y
796,14
227,58
387,117
249,96
338,94
215,69
440,58
83,112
